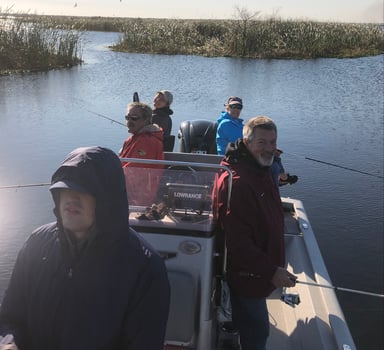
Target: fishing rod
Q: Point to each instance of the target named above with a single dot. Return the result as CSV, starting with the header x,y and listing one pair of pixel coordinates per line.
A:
x,y
337,166
105,117
27,185
293,299
343,167
134,99
340,288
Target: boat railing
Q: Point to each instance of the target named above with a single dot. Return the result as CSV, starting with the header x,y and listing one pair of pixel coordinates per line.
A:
x,y
173,193
317,274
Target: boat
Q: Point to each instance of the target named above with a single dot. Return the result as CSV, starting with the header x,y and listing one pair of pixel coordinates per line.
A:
x,y
177,220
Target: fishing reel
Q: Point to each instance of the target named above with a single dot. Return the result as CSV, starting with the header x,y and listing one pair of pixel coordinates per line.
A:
x,y
292,299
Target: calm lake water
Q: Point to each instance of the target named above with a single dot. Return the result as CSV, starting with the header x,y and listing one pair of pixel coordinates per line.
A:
x,y
326,109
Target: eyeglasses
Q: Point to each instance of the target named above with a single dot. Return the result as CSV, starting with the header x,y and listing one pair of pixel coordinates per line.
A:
x,y
237,106
134,118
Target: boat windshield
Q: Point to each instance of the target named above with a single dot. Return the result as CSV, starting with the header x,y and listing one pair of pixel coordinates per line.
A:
x,y
174,196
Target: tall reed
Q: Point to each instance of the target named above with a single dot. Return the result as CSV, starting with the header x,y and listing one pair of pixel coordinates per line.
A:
x,y
30,46
244,36
273,38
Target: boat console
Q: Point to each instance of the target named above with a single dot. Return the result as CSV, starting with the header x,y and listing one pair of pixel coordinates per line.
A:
x,y
171,207
180,197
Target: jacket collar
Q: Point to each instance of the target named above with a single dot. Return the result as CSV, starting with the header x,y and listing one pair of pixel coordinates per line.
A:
x,y
238,153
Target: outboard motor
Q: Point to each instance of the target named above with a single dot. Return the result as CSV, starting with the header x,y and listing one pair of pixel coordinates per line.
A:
x,y
198,136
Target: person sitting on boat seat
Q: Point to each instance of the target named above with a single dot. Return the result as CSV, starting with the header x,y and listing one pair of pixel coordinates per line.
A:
x,y
87,280
161,115
146,142
230,125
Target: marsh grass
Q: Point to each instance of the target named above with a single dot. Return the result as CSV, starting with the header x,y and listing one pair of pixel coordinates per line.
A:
x,y
43,42
27,46
272,38
244,36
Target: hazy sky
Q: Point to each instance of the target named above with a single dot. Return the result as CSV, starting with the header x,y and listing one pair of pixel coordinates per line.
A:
x,y
323,10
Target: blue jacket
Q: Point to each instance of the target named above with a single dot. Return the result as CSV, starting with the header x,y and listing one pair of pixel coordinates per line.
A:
x,y
114,295
277,168
229,130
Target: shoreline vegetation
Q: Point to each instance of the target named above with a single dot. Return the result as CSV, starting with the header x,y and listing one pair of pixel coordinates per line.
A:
x,y
41,42
27,46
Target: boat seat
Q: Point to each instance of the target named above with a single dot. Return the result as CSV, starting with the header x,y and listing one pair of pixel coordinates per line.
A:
x,y
198,136
168,143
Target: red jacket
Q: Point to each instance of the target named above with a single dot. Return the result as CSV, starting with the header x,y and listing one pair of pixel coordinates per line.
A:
x,y
142,180
253,225
147,144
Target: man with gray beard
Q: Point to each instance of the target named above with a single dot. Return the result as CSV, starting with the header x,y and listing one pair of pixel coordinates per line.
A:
x,y
253,226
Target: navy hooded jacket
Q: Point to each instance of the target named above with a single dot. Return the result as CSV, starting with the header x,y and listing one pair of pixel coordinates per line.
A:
x,y
114,295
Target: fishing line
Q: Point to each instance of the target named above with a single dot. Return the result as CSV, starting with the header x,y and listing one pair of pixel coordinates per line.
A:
x,y
337,165
341,289
135,99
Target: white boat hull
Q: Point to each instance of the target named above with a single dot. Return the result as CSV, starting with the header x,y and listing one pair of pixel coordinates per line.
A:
x,y
189,245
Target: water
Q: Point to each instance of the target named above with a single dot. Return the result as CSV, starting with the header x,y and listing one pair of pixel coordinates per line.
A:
x,y
327,109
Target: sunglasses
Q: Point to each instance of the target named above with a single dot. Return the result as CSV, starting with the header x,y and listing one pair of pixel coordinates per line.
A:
x,y
237,106
132,117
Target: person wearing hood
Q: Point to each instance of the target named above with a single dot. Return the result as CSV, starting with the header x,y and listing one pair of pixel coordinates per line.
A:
x,y
253,227
230,125
146,142
162,112
87,280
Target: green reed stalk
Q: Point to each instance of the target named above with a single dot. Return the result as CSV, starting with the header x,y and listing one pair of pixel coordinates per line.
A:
x,y
246,36
272,38
30,46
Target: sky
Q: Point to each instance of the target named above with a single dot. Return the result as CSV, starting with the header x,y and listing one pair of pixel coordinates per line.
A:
x,y
321,10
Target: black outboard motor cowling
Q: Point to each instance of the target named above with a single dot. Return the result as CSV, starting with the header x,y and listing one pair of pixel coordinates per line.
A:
x,y
198,136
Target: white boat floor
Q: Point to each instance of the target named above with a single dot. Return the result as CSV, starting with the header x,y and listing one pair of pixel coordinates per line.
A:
x,y
295,328
316,322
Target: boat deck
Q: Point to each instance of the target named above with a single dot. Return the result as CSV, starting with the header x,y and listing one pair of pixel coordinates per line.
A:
x,y
317,322
187,240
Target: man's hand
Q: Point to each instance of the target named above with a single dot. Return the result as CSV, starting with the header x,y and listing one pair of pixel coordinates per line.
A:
x,y
7,343
283,278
